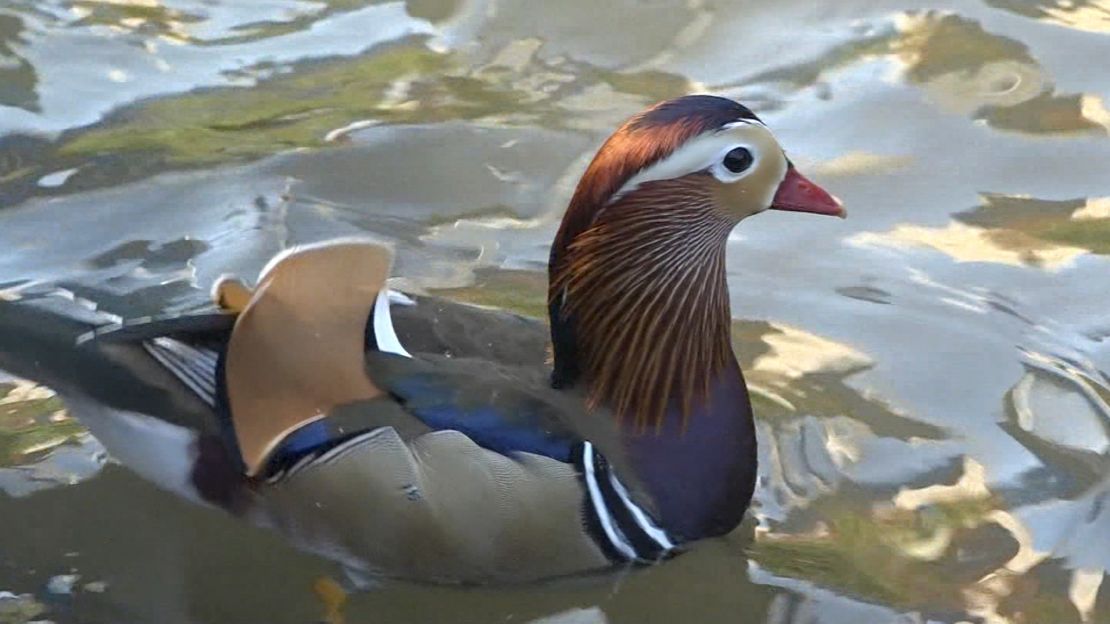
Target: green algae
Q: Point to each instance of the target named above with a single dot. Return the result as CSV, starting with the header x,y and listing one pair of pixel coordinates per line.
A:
x,y
287,111
1017,222
522,292
32,423
871,556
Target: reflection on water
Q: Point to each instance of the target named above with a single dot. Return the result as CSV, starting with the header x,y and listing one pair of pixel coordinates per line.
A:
x,y
40,445
931,377
973,244
1088,15
994,78
1084,223
32,422
17,76
965,69
405,82
1015,231
919,553
144,18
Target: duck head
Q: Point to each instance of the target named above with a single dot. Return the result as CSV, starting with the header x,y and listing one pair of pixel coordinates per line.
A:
x,y
637,295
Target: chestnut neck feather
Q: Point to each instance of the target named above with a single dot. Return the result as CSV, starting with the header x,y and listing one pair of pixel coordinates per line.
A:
x,y
644,289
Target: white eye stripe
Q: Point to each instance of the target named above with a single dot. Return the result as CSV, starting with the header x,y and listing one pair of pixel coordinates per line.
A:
x,y
742,122
701,153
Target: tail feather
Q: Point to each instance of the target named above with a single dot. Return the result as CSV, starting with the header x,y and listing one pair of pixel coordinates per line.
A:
x,y
39,335
144,387
45,338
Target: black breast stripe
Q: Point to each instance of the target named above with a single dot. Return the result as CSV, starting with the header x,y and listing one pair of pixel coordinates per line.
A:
x,y
620,527
598,522
621,509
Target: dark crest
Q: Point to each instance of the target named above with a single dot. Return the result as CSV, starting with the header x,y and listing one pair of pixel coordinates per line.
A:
x,y
639,143
642,141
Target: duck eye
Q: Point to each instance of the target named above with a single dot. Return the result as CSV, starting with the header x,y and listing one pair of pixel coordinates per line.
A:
x,y
738,160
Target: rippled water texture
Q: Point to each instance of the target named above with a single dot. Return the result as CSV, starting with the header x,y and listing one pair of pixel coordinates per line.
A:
x,y
931,376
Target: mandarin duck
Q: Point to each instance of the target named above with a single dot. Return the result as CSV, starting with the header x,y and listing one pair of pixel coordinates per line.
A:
x,y
418,438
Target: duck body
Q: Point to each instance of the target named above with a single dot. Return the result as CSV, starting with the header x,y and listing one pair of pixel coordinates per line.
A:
x,y
478,470
471,469
429,440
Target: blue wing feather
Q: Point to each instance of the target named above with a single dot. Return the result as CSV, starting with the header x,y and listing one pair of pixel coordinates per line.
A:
x,y
518,426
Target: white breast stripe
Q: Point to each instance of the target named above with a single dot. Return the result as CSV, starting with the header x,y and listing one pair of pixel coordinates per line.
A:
x,y
611,531
650,528
383,327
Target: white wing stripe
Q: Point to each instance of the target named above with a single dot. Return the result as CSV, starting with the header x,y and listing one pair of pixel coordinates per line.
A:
x,y
193,367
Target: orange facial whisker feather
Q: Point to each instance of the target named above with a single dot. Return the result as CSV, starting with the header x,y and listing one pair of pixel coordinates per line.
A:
x,y
645,288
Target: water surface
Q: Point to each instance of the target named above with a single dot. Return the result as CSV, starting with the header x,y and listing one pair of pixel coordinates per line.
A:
x,y
931,377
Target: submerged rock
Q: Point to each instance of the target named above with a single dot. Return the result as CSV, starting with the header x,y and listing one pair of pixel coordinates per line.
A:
x,y
19,608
